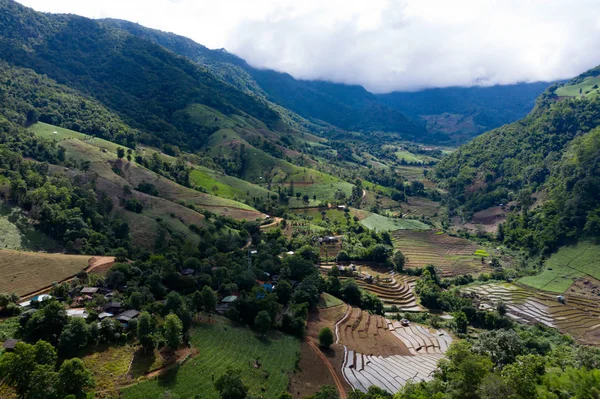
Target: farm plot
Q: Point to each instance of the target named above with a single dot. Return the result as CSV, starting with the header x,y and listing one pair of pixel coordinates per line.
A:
x,y
453,255
222,346
578,317
26,272
383,223
567,266
391,373
393,289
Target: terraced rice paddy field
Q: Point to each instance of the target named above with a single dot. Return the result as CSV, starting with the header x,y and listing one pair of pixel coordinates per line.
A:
x,y
408,354
453,255
578,317
390,287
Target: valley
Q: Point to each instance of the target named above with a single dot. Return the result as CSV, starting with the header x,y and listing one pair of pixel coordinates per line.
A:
x,y
178,223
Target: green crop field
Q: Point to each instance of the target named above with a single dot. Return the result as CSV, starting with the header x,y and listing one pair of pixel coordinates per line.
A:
x,y
383,223
315,213
566,266
407,156
56,133
226,186
329,301
221,346
586,87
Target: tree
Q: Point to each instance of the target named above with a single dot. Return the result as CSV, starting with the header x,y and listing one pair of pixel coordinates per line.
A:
x,y
197,302
399,260
502,346
75,379
283,290
120,153
326,392
43,383
461,321
351,292
145,331
209,299
262,322
47,323
16,367
173,329
230,385
74,336
325,337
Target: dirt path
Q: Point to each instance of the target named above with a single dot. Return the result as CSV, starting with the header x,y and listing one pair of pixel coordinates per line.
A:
x,y
338,383
273,224
94,263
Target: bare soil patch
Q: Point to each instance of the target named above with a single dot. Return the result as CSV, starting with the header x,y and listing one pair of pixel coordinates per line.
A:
x,y
586,286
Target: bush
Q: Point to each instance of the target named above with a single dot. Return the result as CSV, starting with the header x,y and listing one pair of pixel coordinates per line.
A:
x,y
325,338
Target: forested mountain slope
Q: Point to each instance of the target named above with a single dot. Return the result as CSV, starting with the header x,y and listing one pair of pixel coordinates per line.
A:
x,y
147,85
465,112
347,107
453,113
552,153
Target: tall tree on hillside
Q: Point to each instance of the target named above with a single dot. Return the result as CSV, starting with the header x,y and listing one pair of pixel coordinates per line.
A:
x,y
173,329
209,300
145,331
74,379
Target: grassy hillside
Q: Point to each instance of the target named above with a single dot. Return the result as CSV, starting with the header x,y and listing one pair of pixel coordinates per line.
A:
x,y
223,346
383,223
26,272
587,87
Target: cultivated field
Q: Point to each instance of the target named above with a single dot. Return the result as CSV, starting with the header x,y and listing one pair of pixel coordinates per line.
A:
x,y
383,223
221,346
27,272
578,317
423,348
453,255
567,266
393,289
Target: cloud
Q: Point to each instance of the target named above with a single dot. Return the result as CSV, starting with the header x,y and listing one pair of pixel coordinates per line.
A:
x,y
384,45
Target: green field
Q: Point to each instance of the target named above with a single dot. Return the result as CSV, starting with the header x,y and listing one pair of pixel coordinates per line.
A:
x,y
226,186
223,346
333,215
566,266
382,223
586,87
56,133
407,156
329,301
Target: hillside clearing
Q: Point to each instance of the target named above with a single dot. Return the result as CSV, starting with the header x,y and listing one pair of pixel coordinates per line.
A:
x,y
383,223
26,272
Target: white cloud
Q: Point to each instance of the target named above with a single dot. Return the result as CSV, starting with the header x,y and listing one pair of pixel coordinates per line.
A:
x,y
383,45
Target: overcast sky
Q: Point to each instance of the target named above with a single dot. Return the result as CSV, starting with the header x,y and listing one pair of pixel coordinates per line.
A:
x,y
384,45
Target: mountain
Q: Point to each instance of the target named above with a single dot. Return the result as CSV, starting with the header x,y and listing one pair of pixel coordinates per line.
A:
x,y
465,112
546,164
453,114
148,86
347,107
